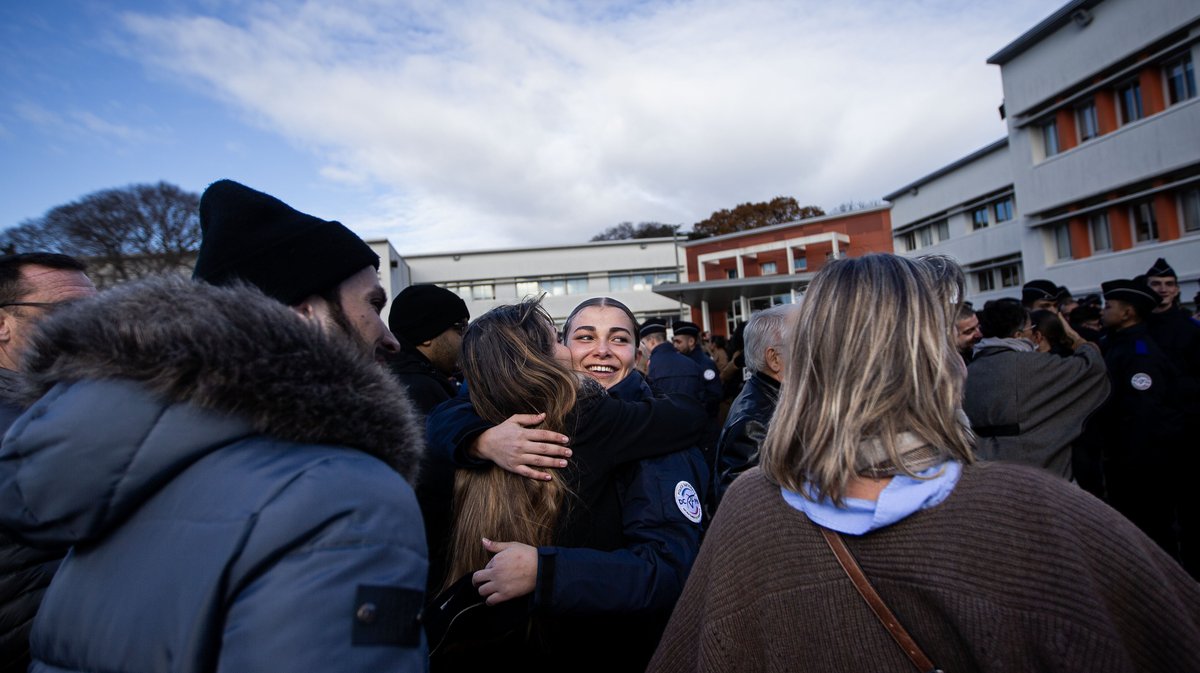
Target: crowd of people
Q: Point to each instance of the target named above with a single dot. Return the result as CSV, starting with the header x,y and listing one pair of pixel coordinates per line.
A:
x,y
253,470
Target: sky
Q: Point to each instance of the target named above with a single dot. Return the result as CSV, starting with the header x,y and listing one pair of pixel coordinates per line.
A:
x,y
458,125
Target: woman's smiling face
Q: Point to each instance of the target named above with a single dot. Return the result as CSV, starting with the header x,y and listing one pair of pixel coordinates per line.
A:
x,y
601,341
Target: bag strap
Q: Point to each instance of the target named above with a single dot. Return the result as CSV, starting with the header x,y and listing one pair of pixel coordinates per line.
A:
x,y
875,602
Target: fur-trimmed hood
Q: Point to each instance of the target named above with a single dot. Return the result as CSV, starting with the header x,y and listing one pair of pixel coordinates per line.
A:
x,y
233,351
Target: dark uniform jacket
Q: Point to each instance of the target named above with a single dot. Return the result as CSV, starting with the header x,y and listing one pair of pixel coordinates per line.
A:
x,y
631,530
710,380
1178,335
25,572
427,388
229,480
670,372
744,431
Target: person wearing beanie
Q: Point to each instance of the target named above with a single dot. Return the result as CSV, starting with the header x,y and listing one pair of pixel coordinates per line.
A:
x,y
1171,328
429,322
1142,428
1040,294
319,268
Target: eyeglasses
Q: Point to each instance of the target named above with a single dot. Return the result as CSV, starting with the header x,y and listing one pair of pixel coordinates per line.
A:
x,y
48,305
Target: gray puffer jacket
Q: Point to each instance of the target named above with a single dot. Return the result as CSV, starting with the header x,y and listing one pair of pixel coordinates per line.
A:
x,y
231,483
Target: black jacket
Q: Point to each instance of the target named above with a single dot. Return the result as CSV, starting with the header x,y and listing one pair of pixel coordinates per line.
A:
x,y
426,386
1178,335
25,572
744,431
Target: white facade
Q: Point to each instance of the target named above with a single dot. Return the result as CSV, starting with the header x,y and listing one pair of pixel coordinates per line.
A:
x,y
1102,154
1104,137
967,211
624,270
393,272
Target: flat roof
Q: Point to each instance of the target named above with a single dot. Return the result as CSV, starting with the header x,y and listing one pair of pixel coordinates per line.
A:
x,y
538,248
724,290
783,225
1039,32
999,144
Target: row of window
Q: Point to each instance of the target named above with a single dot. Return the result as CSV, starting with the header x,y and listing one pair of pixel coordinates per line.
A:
x,y
1142,221
799,265
556,286
996,212
1005,276
1180,80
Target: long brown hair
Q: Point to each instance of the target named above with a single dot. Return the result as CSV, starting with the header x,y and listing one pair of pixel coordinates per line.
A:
x,y
508,360
871,357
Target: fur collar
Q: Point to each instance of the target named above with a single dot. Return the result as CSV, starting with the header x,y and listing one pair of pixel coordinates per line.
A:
x,y
231,350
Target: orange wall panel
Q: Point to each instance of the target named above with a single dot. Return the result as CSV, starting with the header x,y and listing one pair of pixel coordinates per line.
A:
x,y
1118,225
1106,111
1153,100
1065,121
1080,245
1167,216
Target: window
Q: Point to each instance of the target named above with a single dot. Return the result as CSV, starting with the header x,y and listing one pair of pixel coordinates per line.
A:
x,y
1191,209
1086,121
942,229
766,268
979,218
1129,101
925,237
985,280
1062,241
801,263
1145,228
1181,80
577,285
1098,227
527,288
1003,209
731,273
1010,276
1049,130
908,240
483,291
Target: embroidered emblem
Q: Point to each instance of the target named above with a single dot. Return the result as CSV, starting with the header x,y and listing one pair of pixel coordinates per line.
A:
x,y
1141,381
688,501
710,374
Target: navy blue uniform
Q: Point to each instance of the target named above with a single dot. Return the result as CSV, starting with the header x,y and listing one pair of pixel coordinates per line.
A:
x,y
670,372
710,379
631,532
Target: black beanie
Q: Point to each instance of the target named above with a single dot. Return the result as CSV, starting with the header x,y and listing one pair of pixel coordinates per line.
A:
x,y
287,254
421,312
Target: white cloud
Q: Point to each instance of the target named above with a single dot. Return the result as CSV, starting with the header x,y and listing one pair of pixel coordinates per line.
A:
x,y
487,124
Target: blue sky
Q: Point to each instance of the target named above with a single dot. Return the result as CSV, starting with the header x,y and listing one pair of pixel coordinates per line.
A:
x,y
460,125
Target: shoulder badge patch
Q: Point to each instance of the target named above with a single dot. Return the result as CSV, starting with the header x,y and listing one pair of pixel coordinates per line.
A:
x,y
687,501
710,374
1141,381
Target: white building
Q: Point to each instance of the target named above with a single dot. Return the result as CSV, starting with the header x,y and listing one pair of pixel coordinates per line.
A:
x,y
966,210
625,270
1103,154
1104,134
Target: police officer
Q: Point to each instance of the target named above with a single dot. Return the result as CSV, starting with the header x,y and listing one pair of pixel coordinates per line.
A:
x,y
1173,330
686,340
1142,424
1040,294
667,370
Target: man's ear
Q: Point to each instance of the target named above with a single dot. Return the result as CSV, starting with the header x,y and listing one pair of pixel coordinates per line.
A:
x,y
310,308
5,326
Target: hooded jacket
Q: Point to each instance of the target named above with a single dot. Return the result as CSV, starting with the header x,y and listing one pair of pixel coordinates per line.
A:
x,y
231,483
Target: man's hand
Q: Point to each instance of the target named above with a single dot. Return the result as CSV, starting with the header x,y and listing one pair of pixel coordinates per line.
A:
x,y
515,446
510,574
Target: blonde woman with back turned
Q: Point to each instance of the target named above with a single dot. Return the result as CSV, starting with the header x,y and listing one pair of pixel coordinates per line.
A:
x,y
986,566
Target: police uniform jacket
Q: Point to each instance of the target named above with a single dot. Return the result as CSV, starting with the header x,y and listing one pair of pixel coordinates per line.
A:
x,y
710,379
671,372
632,528
229,482
1178,335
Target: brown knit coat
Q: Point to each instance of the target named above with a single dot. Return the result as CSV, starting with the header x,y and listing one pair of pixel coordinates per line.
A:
x,y
1016,571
